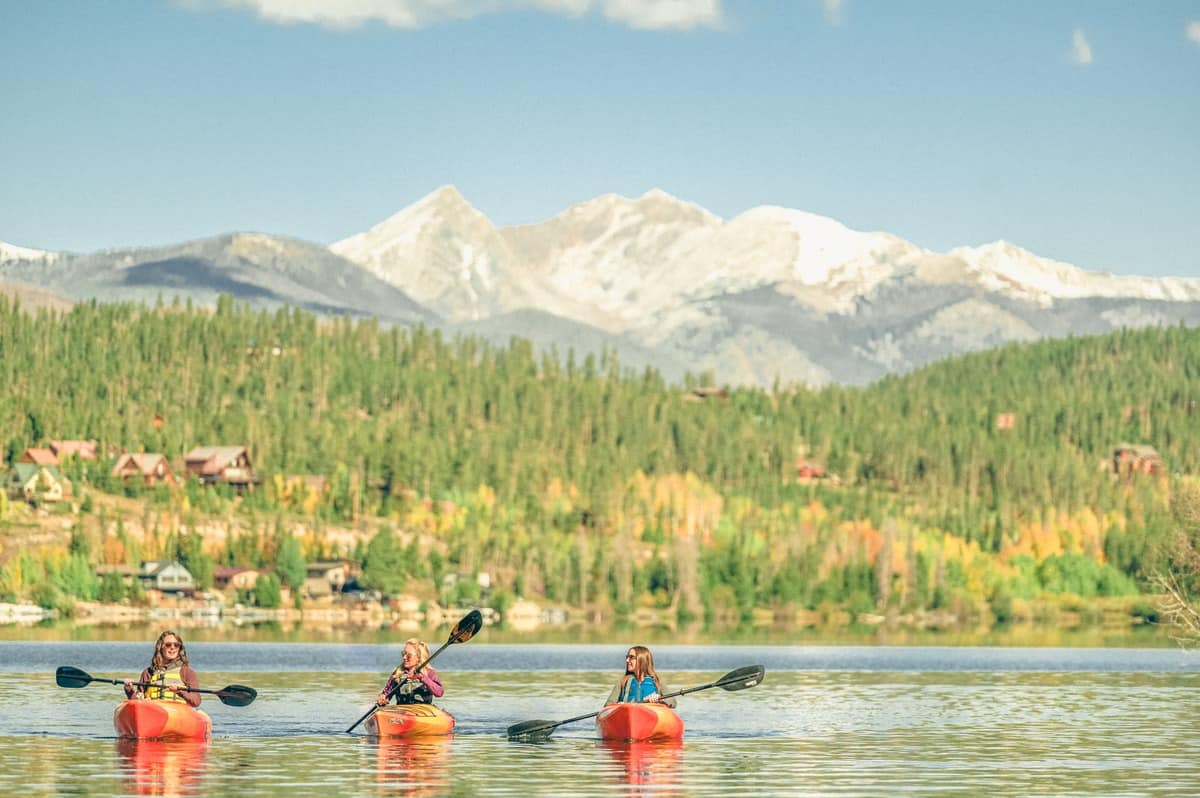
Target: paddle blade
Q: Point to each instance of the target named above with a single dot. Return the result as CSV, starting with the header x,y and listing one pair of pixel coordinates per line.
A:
x,y
467,628
66,676
236,695
532,731
742,678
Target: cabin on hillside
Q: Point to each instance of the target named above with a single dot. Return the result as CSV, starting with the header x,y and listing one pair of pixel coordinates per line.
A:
x,y
229,465
84,450
152,469
808,471
1129,460
705,393
326,577
37,484
126,573
166,576
41,457
235,578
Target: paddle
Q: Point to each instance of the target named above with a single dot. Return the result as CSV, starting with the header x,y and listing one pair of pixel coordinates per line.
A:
x,y
463,631
537,730
235,695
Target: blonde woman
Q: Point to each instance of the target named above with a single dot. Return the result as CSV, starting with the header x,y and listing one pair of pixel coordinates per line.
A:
x,y
410,685
170,676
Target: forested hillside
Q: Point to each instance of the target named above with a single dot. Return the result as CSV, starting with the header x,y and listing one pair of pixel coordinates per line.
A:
x,y
590,486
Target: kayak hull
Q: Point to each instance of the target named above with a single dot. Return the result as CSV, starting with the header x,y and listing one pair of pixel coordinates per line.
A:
x,y
142,719
410,720
637,722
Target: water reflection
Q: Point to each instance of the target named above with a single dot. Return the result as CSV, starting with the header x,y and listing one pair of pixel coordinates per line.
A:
x,y
657,765
418,767
160,767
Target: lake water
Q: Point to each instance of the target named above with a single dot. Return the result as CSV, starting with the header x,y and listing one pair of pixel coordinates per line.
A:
x,y
827,720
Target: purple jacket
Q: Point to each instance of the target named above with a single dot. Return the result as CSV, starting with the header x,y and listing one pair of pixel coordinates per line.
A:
x,y
427,686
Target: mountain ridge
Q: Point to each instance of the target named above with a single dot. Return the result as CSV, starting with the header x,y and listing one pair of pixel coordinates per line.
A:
x,y
771,294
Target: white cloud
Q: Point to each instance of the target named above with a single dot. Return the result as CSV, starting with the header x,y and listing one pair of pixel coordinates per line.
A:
x,y
641,14
1081,51
833,10
1193,31
658,14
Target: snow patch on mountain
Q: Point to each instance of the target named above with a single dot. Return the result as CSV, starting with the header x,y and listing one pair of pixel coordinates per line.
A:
x,y
11,252
1011,270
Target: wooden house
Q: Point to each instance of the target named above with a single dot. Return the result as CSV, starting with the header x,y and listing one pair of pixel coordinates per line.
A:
x,y
326,577
127,573
35,456
809,470
37,484
235,578
152,469
84,450
221,464
166,576
1130,459
706,392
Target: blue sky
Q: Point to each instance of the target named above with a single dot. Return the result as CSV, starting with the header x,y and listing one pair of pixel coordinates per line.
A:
x,y
1071,128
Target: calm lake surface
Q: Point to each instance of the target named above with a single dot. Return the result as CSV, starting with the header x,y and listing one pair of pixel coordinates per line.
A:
x,y
828,720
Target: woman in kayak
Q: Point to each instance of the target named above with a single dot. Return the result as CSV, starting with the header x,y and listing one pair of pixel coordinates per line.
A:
x,y
409,685
169,675
640,682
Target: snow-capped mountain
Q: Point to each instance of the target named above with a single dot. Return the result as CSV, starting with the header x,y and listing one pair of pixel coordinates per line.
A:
x,y
773,294
10,253
1010,270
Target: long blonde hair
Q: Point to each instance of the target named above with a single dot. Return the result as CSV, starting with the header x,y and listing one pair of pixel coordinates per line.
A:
x,y
422,651
643,666
159,660
422,656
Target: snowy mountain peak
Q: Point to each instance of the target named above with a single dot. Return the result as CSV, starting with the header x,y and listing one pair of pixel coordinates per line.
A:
x,y
443,208
11,252
814,249
654,207
1009,269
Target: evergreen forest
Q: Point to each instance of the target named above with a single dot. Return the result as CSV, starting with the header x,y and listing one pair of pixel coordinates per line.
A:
x,y
970,486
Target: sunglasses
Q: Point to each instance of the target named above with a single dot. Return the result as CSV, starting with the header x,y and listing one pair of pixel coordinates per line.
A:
x,y
172,645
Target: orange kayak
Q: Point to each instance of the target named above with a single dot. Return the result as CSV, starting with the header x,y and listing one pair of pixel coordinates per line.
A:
x,y
410,720
635,722
143,719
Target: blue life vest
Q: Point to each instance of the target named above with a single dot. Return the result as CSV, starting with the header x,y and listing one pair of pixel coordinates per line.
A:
x,y
636,691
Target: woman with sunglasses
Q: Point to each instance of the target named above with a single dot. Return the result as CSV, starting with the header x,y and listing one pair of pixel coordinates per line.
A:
x,y
640,682
413,682
169,675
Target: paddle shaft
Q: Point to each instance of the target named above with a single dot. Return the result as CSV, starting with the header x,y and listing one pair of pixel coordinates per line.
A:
x,y
155,684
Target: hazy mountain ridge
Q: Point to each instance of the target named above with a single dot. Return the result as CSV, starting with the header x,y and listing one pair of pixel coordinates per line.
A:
x,y
261,270
771,294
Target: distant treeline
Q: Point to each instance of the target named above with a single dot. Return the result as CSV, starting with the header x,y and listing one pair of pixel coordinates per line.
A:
x,y
570,479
